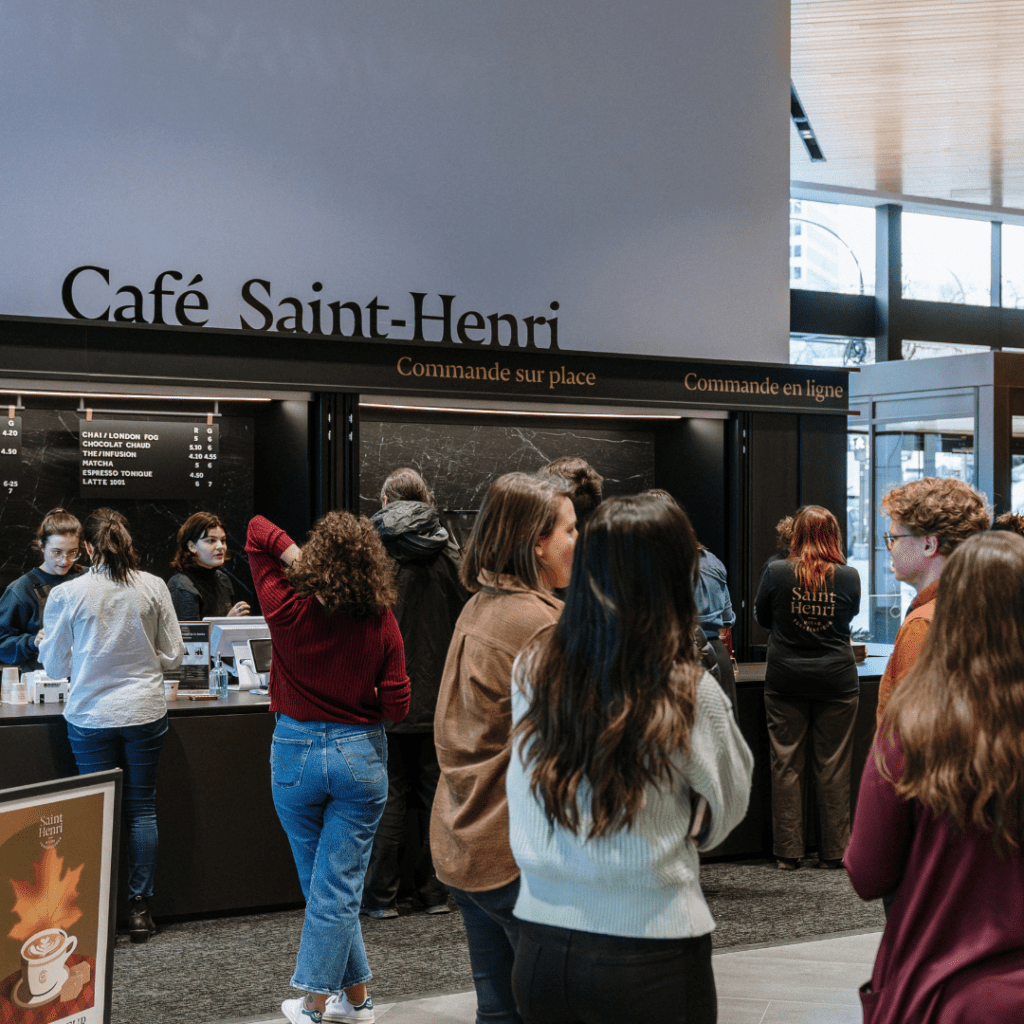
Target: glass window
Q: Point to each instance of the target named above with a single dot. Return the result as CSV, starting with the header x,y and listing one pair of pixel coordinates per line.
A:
x,y
947,259
858,516
838,246
830,350
1017,466
937,349
904,451
1013,266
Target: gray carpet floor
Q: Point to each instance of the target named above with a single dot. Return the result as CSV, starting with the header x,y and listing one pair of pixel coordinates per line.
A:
x,y
236,967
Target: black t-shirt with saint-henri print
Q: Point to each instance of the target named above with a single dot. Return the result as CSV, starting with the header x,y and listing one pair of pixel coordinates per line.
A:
x,y
809,652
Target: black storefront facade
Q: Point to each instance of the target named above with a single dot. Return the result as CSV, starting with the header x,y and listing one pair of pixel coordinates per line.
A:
x,y
310,422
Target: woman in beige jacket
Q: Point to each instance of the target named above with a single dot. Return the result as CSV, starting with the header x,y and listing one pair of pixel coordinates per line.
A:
x,y
520,551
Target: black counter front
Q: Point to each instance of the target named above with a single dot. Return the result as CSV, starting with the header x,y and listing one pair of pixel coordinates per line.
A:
x,y
221,845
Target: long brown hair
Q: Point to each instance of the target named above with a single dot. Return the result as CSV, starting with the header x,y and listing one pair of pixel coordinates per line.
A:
x,y
960,710
519,509
107,531
817,546
344,563
614,682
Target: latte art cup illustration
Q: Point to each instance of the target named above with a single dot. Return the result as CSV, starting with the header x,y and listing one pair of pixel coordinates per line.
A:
x,y
42,960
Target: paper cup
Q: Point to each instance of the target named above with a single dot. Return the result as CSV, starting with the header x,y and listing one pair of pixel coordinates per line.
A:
x,y
171,689
19,693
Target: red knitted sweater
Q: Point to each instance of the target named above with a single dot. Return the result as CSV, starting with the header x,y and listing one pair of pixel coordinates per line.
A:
x,y
325,667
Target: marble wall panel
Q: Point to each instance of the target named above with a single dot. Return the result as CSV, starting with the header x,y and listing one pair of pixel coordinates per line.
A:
x,y
459,462
48,476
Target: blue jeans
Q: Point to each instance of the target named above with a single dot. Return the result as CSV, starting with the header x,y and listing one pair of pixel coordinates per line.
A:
x,y
493,934
135,749
330,782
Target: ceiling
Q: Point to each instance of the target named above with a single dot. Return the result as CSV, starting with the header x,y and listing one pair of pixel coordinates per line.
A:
x,y
921,98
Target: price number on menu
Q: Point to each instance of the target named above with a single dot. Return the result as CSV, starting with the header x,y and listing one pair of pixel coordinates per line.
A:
x,y
10,449
10,436
202,453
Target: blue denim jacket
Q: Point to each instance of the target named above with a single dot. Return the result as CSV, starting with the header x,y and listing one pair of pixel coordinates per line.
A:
x,y
711,592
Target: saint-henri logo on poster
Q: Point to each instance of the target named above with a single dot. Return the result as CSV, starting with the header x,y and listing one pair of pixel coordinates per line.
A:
x,y
51,830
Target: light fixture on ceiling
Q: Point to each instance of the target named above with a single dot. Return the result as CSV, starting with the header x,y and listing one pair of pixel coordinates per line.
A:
x,y
803,127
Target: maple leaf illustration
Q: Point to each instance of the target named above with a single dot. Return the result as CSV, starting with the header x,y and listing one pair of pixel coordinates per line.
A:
x,y
49,901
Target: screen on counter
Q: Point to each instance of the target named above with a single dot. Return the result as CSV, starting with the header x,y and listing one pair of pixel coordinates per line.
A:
x,y
227,631
260,651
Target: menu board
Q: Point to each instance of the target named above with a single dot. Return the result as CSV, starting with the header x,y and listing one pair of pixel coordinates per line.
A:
x,y
146,459
10,452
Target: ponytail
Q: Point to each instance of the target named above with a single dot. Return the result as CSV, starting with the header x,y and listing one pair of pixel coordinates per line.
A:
x,y
107,531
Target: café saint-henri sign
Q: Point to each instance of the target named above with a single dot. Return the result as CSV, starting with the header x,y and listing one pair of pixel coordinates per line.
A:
x,y
451,349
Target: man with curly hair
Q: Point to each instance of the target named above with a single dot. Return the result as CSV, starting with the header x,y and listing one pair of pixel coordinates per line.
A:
x,y
929,518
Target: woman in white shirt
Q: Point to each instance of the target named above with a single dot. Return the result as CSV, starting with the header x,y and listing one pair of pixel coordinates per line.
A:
x,y
621,741
114,632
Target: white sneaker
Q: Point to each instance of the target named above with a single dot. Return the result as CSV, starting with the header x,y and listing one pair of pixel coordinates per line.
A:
x,y
295,1010
340,1009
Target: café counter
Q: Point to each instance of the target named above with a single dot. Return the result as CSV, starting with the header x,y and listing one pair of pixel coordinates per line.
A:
x,y
221,845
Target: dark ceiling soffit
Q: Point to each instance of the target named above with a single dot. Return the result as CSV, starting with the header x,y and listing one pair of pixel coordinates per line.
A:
x,y
803,127
853,316
987,326
848,316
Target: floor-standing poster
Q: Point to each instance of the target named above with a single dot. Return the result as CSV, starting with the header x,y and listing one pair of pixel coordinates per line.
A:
x,y
58,849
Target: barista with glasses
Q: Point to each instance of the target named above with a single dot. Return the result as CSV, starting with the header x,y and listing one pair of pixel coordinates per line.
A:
x,y
58,540
201,588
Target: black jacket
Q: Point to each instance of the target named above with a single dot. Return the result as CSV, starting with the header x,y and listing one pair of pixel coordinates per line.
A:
x,y
430,598
809,652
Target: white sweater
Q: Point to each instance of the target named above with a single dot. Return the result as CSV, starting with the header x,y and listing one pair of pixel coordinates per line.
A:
x,y
115,641
643,882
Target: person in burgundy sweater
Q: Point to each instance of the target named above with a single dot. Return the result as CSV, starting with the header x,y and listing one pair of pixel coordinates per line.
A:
x,y
940,813
337,669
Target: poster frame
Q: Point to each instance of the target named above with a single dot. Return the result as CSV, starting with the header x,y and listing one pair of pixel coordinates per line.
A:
x,y
109,784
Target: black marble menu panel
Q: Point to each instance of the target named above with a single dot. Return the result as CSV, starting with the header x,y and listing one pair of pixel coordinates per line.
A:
x,y
459,461
47,475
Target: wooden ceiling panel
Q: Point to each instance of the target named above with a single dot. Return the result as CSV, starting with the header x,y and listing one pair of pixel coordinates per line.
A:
x,y
920,97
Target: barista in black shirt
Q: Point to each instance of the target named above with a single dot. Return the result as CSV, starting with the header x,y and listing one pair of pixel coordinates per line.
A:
x,y
201,589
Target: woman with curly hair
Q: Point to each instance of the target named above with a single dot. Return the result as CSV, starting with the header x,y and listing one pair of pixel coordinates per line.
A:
x,y
621,742
519,552
811,688
337,669
940,813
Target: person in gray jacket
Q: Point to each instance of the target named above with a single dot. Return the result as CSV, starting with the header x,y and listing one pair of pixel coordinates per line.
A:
x,y
430,598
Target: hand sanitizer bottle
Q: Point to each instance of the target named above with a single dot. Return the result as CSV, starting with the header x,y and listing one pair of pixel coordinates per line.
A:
x,y
218,679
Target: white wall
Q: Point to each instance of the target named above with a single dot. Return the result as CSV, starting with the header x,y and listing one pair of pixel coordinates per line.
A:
x,y
628,160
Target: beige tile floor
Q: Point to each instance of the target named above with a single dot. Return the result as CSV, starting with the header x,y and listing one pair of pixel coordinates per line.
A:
x,y
803,983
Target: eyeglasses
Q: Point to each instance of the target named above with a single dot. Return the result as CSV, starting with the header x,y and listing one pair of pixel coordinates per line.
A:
x,y
891,538
63,556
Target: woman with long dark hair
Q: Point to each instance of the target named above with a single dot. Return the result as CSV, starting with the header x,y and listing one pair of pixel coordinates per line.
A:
x,y
940,813
114,632
58,541
626,757
337,670
519,552
811,689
